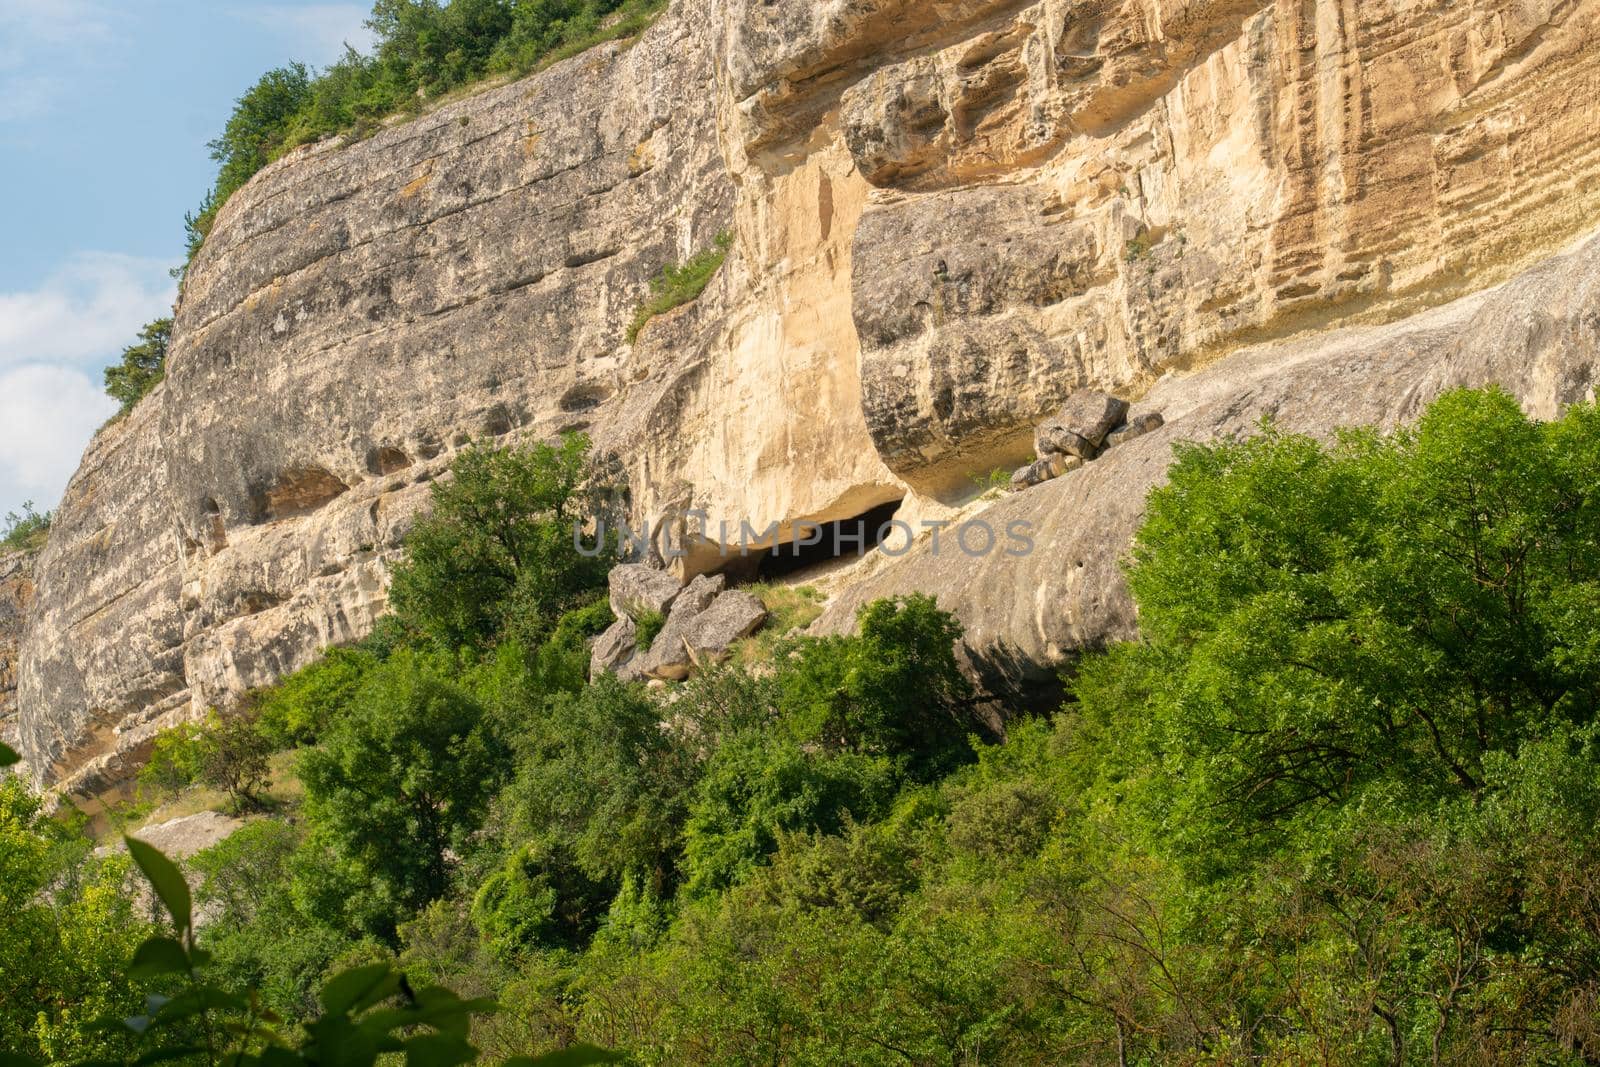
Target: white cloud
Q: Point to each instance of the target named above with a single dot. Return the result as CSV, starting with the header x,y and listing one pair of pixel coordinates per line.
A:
x,y
47,416
84,312
315,33
53,340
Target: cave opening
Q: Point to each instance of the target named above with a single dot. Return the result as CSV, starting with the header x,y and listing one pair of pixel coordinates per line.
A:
x,y
825,542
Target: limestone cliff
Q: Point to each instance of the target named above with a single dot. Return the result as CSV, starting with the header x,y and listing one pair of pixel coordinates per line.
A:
x,y
16,590
948,216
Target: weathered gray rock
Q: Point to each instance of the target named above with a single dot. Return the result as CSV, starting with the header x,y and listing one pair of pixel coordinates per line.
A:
x,y
1052,438
638,590
694,640
1035,473
614,651
699,593
1086,418
1138,426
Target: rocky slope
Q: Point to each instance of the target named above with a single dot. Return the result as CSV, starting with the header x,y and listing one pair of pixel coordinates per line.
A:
x,y
948,217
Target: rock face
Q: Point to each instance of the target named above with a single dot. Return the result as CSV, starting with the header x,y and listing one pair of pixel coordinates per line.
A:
x,y
16,590
949,216
1029,613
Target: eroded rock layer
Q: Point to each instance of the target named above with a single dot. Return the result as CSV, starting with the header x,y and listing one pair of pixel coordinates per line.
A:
x,y
947,216
16,590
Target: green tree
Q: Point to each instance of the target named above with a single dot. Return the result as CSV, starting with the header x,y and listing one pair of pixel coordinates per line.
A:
x,y
403,777
299,709
496,555
257,132
601,776
757,786
1388,610
142,366
896,690
65,937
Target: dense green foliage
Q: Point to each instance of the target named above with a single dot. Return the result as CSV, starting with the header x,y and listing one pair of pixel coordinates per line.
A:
x,y
495,556
1341,803
67,931
425,50
679,283
25,532
142,366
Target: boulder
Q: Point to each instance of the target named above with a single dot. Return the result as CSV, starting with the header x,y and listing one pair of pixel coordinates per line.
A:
x,y
692,640
615,650
1081,426
1137,426
1049,466
1060,464
1055,439
637,590
1035,473
698,595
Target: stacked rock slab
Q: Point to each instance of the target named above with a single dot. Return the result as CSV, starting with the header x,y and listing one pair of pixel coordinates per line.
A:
x,y
1089,423
702,622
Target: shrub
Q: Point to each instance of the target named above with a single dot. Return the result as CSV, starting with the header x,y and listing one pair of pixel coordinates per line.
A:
x,y
26,532
756,787
679,283
538,898
233,759
174,761
649,625
300,708
896,690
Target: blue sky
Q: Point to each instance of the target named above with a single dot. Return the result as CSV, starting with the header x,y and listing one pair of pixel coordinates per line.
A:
x,y
105,110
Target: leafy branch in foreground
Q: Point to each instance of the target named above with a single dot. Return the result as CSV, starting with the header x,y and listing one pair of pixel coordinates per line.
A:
x,y
366,1011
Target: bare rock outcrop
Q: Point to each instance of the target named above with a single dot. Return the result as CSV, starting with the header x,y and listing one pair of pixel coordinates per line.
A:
x,y
948,218
1029,614
16,590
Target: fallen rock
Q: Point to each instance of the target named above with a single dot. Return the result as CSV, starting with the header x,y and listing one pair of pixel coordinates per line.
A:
x,y
1035,473
1053,438
1135,427
1043,469
637,590
615,650
1081,426
1060,464
699,594
692,640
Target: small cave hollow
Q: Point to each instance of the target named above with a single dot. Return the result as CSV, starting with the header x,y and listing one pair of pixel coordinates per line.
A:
x,y
386,459
843,539
584,397
296,492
